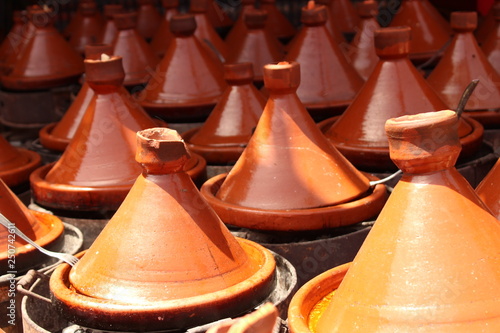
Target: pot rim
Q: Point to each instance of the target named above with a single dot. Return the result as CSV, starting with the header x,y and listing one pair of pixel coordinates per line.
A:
x,y
50,141
21,173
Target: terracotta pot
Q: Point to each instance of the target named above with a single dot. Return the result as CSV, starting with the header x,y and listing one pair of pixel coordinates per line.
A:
x,y
56,136
45,229
77,18
344,15
278,24
462,62
434,265
257,46
191,271
11,45
430,31
172,93
491,45
362,49
487,190
110,31
262,320
225,133
205,32
89,30
218,16
239,28
331,24
97,169
394,88
47,60
139,60
16,164
162,37
329,83
486,26
148,19
267,190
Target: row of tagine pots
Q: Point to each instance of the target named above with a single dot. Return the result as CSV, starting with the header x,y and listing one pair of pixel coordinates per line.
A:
x,y
166,260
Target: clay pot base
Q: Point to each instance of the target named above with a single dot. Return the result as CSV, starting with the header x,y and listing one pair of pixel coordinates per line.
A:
x,y
27,256
489,118
344,214
313,296
377,158
21,174
175,314
101,200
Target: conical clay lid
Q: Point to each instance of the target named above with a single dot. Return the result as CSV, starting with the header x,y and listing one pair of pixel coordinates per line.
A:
x,y
139,60
148,19
278,24
189,266
188,76
90,28
163,35
57,136
110,31
463,62
239,28
486,26
218,16
331,24
394,88
44,229
491,45
488,190
430,31
288,164
47,61
428,264
11,45
344,14
328,80
257,45
232,121
16,164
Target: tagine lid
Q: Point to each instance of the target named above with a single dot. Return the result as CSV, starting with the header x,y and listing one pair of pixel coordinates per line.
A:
x,y
327,79
190,265
16,164
394,88
47,60
278,24
186,61
43,229
462,62
421,245
148,18
287,135
487,190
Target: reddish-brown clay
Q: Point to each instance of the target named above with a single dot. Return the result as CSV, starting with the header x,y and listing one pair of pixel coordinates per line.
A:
x,y
430,31
89,30
488,190
328,81
486,26
163,35
262,320
257,45
110,31
491,45
188,81
362,52
189,266
139,60
344,15
289,170
11,45
218,16
394,88
45,229
278,24
148,19
97,168
56,136
239,28
47,60
76,20
205,32
420,246
16,164
226,132
463,62
331,25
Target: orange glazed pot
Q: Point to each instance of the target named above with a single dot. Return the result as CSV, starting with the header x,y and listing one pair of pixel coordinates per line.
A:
x,y
430,31
332,25
488,190
16,164
239,28
46,230
463,62
191,270
434,263
162,37
97,169
329,83
289,176
394,88
491,46
11,45
47,60
148,19
110,31
90,28
188,81
226,132
278,24
56,136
